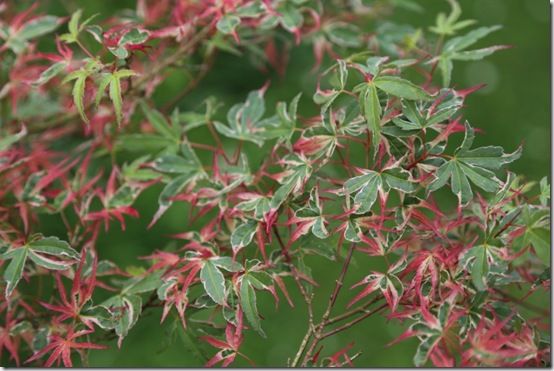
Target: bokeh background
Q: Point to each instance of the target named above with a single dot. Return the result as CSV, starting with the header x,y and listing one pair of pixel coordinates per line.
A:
x,y
513,109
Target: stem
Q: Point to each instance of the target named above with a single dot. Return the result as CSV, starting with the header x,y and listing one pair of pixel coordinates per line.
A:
x,y
353,322
332,300
302,347
352,312
84,49
307,298
339,283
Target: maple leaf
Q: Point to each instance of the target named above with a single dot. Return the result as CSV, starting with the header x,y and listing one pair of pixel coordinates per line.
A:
x,y
230,346
388,283
41,250
473,165
77,306
61,347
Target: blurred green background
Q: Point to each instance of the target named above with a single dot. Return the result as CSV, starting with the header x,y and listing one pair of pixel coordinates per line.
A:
x,y
513,109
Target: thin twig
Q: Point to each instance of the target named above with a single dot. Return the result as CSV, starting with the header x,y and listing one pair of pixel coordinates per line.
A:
x,y
332,300
353,322
352,312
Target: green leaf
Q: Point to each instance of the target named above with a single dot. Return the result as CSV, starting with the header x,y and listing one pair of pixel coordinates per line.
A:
x,y
189,168
372,112
41,338
318,229
445,66
48,263
260,206
7,140
243,235
126,310
102,85
75,28
191,343
473,165
449,25
159,122
352,232
283,192
73,25
480,268
344,34
290,17
164,288
244,119
310,244
34,250
100,315
96,32
115,92
401,88
540,239
367,187
459,43
478,54
228,23
174,164
14,271
428,114
54,246
79,93
454,49
150,282
342,72
50,73
145,143
21,328
225,262
423,350
397,178
171,190
213,281
248,304
537,231
544,191
301,171
38,26
134,37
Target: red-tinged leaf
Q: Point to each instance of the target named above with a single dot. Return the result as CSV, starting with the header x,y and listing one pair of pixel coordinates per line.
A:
x,y
261,242
215,342
283,288
218,357
6,338
61,346
372,284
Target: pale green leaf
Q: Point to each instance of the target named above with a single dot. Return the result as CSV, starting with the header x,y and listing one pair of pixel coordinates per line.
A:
x,y
213,281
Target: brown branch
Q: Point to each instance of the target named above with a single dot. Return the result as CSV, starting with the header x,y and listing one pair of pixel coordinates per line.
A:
x,y
352,312
353,322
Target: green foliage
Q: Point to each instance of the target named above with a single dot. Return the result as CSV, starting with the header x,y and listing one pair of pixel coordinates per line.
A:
x,y
41,251
473,165
268,187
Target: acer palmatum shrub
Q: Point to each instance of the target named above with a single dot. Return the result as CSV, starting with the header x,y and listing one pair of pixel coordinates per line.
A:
x,y
357,178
